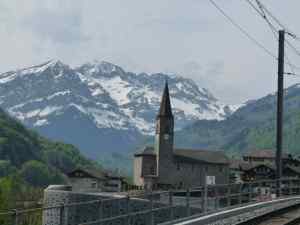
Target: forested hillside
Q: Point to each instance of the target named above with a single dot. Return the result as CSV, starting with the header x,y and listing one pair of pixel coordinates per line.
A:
x,y
29,162
252,126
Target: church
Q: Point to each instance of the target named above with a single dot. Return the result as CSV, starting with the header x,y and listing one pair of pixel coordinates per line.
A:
x,y
164,166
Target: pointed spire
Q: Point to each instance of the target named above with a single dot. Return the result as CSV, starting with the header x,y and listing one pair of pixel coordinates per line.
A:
x,y
165,105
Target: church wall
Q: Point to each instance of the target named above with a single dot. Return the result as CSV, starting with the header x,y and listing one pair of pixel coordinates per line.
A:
x,y
137,171
188,175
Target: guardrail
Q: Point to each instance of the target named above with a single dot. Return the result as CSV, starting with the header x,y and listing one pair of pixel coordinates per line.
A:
x,y
157,207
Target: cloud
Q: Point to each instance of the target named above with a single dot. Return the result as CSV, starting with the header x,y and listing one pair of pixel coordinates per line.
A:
x,y
186,37
57,26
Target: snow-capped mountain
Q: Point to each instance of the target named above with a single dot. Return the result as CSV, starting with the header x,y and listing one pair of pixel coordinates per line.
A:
x,y
98,106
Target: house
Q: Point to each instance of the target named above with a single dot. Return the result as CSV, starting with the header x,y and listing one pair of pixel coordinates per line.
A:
x,y
94,180
268,156
164,166
261,165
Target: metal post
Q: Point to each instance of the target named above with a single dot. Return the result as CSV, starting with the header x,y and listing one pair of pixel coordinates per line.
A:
x,y
151,209
259,194
127,210
279,110
205,199
228,195
250,192
188,195
171,205
16,215
100,210
61,215
217,199
240,193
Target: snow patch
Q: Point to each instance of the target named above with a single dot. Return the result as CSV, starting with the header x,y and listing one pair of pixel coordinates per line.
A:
x,y
49,110
41,122
60,93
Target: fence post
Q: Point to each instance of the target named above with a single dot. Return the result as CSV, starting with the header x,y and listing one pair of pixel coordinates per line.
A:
x,y
171,205
188,195
61,214
228,195
205,199
151,208
250,192
127,210
100,210
16,217
217,199
278,188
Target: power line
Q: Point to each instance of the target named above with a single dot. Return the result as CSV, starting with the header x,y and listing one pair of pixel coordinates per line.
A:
x,y
293,74
273,29
242,29
261,12
265,9
293,47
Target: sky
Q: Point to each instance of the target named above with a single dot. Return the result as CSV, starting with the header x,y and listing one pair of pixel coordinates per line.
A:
x,y
185,37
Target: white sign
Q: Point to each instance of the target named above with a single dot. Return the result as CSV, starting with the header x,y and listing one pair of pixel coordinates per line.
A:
x,y
210,180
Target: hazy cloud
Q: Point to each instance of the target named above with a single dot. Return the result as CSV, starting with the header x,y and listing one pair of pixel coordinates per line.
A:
x,y
187,37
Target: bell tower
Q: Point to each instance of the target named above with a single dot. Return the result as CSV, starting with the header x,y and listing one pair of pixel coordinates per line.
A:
x,y
164,137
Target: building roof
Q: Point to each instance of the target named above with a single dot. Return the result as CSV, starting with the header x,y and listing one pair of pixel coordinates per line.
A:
x,y
165,105
91,172
295,169
95,173
146,151
207,156
238,164
264,153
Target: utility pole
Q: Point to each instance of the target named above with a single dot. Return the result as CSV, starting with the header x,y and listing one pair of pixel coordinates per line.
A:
x,y
279,110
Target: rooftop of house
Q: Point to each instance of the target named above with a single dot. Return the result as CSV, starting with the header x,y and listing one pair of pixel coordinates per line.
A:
x,y
199,155
264,153
237,164
95,173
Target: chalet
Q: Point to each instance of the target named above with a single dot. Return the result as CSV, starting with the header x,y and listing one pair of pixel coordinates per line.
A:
x,y
268,156
93,180
260,165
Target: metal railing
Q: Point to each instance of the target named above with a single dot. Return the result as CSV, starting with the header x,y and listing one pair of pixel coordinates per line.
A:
x,y
153,207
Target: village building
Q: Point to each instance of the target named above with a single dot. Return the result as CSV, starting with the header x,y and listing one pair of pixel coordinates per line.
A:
x,y
164,166
261,165
93,180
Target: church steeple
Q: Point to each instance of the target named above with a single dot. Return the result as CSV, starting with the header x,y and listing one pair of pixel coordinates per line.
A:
x,y
164,137
165,105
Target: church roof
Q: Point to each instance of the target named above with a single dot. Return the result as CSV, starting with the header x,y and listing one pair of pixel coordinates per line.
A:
x,y
206,156
165,105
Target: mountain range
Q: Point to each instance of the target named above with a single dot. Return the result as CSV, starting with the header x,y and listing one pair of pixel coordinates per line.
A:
x,y
98,106
252,126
